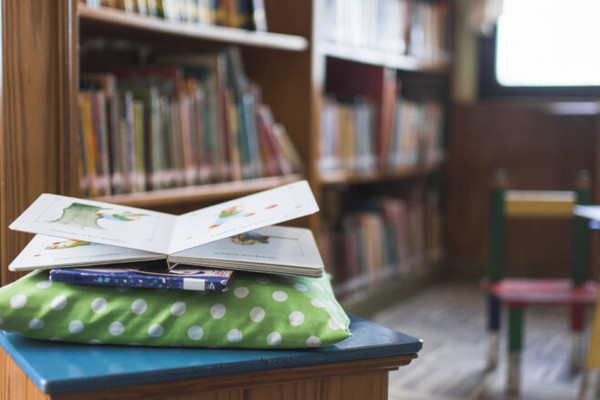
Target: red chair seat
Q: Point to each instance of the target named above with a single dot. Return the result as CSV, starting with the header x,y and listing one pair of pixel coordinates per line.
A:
x,y
544,291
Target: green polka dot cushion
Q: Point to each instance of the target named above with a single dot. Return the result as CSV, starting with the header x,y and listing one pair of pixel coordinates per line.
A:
x,y
257,311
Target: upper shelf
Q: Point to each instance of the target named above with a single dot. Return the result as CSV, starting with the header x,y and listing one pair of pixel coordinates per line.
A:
x,y
384,59
119,18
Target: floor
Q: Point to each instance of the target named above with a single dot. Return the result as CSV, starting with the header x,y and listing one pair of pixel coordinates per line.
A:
x,y
449,317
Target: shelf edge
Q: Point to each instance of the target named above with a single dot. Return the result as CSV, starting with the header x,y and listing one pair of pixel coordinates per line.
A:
x,y
208,32
203,193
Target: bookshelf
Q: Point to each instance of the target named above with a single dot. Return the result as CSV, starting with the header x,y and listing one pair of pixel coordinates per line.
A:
x,y
382,185
44,55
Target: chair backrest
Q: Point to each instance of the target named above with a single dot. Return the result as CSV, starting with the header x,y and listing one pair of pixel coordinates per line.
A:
x,y
506,203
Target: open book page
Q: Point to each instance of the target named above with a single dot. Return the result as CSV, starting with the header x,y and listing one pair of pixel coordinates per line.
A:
x,y
275,245
97,222
223,220
49,252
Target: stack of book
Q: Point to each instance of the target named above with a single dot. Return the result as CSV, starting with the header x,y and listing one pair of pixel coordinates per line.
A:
x,y
90,242
244,14
185,120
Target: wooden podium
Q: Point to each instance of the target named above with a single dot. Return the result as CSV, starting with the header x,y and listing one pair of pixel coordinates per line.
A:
x,y
356,368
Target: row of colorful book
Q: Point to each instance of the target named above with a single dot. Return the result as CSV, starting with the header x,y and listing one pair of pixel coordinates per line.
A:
x,y
244,14
413,27
351,140
183,121
384,237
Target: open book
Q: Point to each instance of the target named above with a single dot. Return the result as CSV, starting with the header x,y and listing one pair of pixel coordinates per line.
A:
x,y
75,233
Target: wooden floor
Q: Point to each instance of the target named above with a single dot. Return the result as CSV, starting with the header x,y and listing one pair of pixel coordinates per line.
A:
x,y
450,319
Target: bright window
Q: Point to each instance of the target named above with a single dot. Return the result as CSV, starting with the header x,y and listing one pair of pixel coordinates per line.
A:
x,y
548,43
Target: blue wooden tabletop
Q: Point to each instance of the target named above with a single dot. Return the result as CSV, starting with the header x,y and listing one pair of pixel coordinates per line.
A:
x,y
59,367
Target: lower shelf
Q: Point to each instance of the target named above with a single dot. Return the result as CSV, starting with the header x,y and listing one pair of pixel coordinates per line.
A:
x,y
370,298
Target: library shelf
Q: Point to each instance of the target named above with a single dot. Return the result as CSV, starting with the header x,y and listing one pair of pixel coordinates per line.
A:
x,y
203,193
108,17
340,177
367,294
383,59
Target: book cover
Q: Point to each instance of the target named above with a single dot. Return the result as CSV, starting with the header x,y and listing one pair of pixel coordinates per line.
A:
x,y
162,234
157,276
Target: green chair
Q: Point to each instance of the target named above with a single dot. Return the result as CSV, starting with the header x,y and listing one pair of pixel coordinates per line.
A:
x,y
516,293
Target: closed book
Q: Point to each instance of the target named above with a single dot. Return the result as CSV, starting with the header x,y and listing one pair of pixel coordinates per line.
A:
x,y
157,276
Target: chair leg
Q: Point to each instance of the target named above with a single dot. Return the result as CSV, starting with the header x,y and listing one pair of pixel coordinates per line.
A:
x,y
589,384
494,308
577,328
515,344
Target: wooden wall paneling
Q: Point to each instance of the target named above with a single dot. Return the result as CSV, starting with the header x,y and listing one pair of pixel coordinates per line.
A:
x,y
539,151
38,68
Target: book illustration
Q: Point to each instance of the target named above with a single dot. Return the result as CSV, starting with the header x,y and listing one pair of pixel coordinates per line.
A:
x,y
67,244
250,238
155,275
233,212
229,213
87,216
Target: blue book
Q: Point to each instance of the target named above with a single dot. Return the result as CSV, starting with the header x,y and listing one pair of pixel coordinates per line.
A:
x,y
154,276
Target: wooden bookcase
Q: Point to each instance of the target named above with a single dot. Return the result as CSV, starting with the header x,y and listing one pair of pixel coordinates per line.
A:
x,y
43,52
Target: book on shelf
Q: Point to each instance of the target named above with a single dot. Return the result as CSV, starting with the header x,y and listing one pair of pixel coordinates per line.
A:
x,y
184,120
410,135
235,235
151,275
243,14
377,237
393,27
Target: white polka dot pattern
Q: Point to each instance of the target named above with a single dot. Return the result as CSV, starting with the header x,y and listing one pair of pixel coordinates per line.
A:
x,y
36,324
75,326
280,296
155,330
296,318
274,338
18,301
218,311
255,312
116,328
58,303
99,305
195,333
139,306
178,309
234,336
